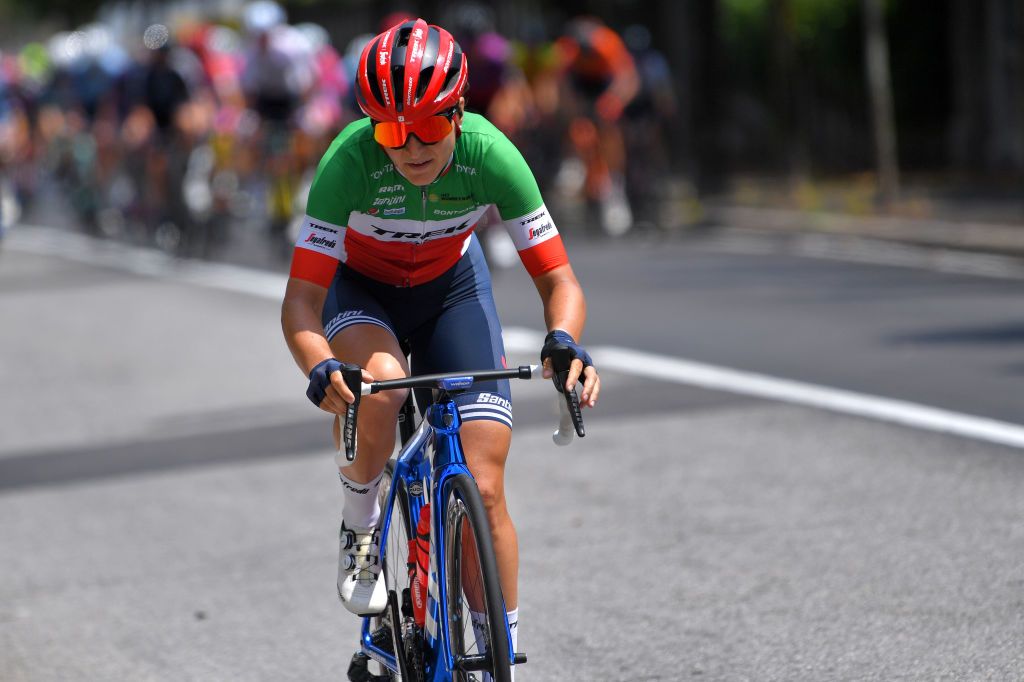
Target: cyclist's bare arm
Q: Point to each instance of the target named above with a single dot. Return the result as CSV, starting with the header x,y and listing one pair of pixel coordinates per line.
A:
x,y
304,333
565,308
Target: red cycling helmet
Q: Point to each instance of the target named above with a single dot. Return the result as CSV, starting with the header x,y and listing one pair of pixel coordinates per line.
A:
x,y
410,72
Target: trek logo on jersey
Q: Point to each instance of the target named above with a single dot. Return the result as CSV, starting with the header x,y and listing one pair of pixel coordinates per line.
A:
x,y
324,242
424,236
538,216
536,232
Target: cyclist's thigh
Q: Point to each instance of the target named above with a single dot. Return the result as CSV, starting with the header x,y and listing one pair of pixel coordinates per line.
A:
x,y
360,330
466,335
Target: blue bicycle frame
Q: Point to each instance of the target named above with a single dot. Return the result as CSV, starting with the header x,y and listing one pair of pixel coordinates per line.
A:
x,y
413,467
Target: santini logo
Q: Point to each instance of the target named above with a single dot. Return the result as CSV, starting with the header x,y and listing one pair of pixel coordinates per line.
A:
x,y
321,241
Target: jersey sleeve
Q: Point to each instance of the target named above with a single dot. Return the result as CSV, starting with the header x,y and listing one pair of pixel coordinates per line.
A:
x,y
321,242
510,181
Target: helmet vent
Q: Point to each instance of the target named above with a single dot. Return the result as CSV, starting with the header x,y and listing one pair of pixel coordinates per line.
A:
x,y
371,74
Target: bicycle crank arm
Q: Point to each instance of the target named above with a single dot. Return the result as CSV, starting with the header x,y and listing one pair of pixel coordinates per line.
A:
x,y
481,662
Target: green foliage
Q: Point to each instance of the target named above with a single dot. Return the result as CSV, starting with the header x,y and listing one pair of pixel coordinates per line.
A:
x,y
69,12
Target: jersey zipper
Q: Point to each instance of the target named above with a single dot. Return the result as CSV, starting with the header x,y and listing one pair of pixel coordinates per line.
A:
x,y
423,228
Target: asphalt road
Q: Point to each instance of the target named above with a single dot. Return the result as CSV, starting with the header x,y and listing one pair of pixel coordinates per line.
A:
x,y
169,510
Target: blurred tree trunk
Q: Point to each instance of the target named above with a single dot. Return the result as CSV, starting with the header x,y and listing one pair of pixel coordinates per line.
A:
x,y
1003,33
883,118
966,129
786,83
687,32
706,102
987,127
672,32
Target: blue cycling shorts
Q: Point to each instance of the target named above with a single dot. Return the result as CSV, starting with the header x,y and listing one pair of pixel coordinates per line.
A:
x,y
449,323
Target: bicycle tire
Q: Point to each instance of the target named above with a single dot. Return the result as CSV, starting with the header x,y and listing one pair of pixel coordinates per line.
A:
x,y
472,578
395,555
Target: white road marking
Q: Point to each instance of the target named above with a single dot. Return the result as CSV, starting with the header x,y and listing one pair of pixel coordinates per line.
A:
x,y
271,286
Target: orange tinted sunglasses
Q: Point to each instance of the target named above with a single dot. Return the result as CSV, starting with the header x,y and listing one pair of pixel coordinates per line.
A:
x,y
429,130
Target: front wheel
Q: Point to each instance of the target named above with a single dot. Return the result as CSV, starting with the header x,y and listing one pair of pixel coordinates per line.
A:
x,y
477,627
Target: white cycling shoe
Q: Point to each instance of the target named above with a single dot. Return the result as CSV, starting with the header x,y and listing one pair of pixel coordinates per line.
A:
x,y
359,586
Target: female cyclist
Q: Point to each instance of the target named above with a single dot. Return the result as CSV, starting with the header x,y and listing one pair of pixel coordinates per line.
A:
x,y
387,254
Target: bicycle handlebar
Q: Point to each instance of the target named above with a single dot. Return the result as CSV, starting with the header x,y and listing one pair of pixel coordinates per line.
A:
x,y
570,417
451,381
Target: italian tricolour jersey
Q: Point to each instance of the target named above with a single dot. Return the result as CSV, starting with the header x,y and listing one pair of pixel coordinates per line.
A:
x,y
363,212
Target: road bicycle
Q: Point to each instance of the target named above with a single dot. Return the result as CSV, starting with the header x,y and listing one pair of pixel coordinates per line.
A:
x,y
455,627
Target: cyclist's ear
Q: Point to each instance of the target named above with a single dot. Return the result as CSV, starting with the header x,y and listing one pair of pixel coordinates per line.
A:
x,y
462,107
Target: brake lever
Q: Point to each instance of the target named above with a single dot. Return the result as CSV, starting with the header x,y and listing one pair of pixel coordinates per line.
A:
x,y
354,380
561,359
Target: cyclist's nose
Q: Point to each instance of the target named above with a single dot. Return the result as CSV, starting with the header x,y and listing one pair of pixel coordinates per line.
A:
x,y
413,143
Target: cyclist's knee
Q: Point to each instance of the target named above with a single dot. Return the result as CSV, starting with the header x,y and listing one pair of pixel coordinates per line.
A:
x,y
487,444
383,367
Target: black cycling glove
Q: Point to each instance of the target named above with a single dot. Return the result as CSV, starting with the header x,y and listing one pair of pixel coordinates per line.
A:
x,y
561,338
320,378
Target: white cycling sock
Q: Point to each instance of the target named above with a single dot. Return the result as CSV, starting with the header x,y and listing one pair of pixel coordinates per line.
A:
x,y
361,508
479,625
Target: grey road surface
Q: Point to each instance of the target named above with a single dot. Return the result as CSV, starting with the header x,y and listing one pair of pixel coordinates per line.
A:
x,y
936,338
169,510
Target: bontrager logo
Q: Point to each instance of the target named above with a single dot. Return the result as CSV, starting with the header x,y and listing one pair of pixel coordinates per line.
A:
x,y
451,212
321,241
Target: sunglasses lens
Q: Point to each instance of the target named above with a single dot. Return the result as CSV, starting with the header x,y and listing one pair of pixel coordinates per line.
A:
x,y
429,130
390,134
432,129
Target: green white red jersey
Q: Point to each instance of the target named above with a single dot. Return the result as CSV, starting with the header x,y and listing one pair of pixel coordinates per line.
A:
x,y
363,212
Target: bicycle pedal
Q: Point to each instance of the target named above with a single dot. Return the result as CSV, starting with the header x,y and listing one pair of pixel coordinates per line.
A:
x,y
358,670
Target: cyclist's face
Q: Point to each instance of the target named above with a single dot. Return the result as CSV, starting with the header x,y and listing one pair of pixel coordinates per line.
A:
x,y
422,163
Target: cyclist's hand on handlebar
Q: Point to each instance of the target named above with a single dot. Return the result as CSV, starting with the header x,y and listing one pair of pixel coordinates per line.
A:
x,y
581,365
327,389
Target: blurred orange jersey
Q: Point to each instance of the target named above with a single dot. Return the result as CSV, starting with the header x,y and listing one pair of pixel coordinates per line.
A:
x,y
600,56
